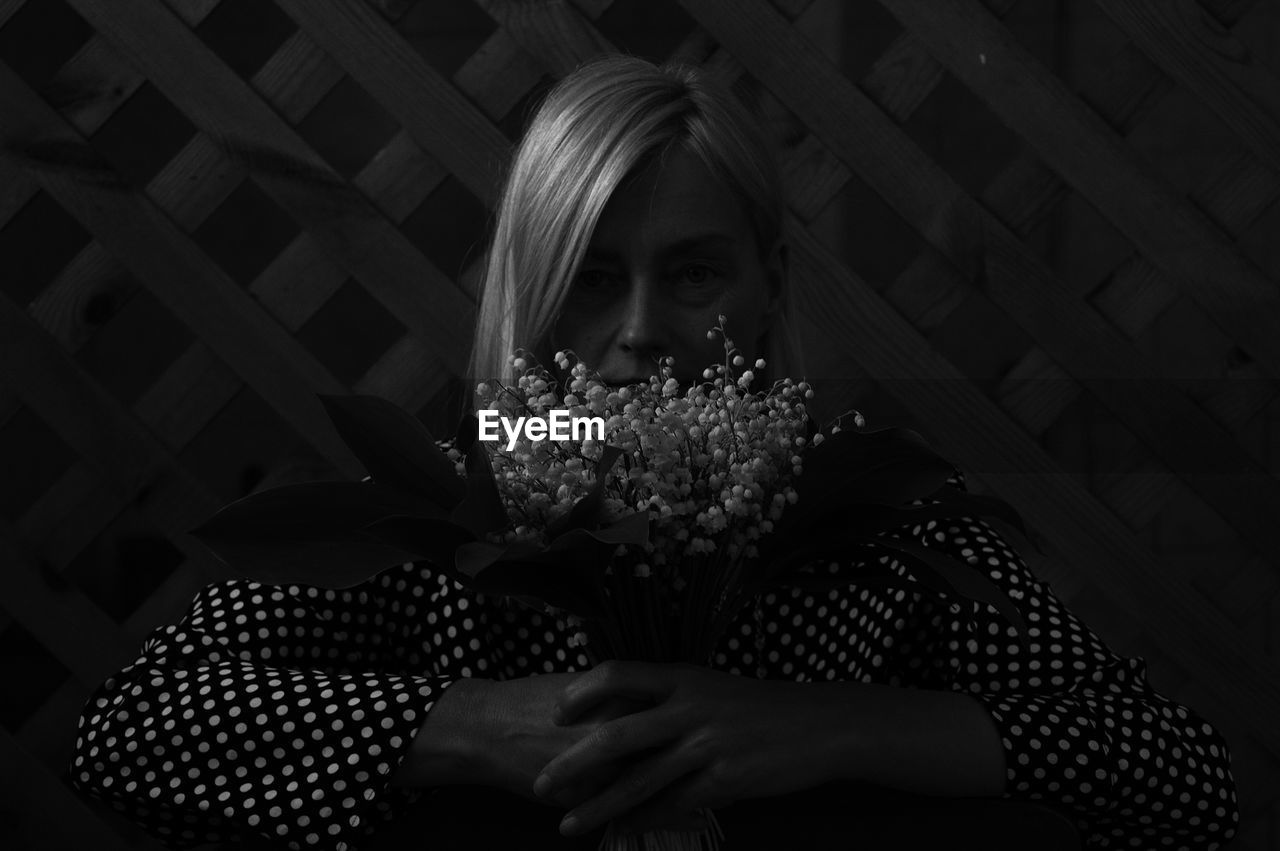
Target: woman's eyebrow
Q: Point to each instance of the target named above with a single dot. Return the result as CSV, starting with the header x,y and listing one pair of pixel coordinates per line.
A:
x,y
682,245
713,239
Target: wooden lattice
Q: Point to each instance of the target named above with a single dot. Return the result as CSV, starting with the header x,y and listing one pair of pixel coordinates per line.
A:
x,y
236,326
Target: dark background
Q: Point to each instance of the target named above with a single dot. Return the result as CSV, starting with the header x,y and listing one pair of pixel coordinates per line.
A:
x,y
1068,283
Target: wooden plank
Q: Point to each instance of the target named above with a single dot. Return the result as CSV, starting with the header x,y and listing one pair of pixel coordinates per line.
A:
x,y
1156,411
8,8
437,116
1168,230
552,31
94,83
63,307
1036,391
400,177
220,104
1084,534
89,420
811,177
47,734
187,396
14,197
166,261
905,73
48,814
195,182
1027,191
497,75
1209,62
65,621
297,77
399,376
69,515
1239,192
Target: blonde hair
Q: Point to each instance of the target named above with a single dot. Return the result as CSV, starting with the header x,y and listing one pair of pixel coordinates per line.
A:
x,y
598,125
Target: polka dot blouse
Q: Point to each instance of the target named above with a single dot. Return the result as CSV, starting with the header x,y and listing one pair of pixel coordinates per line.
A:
x,y
283,712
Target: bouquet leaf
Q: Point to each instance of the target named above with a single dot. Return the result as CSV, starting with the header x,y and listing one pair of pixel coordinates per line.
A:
x,y
480,510
395,447
568,578
312,533
850,469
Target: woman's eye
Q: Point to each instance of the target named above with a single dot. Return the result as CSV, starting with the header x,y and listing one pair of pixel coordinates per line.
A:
x,y
699,273
593,280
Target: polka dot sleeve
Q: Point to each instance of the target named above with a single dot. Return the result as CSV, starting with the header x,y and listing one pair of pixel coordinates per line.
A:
x,y
1081,726
273,711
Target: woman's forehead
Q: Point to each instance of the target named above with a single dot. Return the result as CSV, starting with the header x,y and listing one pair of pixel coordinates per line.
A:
x,y
674,202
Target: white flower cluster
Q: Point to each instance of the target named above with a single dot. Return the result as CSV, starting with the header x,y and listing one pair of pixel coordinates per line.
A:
x,y
712,463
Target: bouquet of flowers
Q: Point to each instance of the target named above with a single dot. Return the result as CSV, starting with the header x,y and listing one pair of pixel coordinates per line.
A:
x,y
649,539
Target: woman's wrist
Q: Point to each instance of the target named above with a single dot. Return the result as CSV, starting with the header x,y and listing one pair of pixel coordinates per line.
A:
x,y
914,740
451,747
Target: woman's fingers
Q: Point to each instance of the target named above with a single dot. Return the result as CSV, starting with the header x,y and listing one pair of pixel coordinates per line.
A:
x,y
616,742
674,808
637,681
632,788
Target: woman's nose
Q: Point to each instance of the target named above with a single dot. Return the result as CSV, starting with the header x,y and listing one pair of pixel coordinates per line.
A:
x,y
644,324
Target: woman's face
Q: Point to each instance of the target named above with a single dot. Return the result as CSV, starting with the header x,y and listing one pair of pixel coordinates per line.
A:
x,y
672,251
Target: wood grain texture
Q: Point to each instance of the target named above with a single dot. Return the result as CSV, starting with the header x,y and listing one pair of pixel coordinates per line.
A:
x,y
166,261
52,816
1168,230
1208,60
552,30
437,116
1085,534
970,238
241,124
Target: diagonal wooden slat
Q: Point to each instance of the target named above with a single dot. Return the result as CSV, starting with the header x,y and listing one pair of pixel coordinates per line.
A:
x,y
552,30
220,104
189,187
1027,191
123,454
83,639
1200,450
170,265
1169,231
1089,537
52,815
8,8
1212,64
67,517
437,117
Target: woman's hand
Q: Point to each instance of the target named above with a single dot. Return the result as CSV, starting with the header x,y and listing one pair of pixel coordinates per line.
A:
x,y
501,734
708,740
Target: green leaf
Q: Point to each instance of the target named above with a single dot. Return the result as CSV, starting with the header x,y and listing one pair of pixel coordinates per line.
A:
x,y
890,466
569,579
327,564
631,528
481,510
852,469
434,540
395,447
312,532
313,510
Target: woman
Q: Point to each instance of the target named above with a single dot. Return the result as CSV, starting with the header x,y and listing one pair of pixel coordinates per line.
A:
x,y
639,207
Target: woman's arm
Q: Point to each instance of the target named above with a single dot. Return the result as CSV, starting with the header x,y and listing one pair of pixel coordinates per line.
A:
x,y
1051,715
278,711
1079,725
